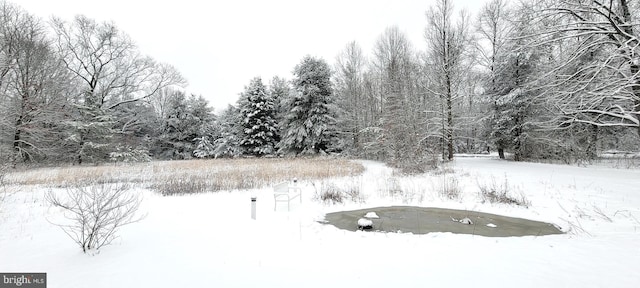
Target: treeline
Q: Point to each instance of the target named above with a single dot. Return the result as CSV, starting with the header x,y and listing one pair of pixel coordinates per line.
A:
x,y
77,91
532,80
540,79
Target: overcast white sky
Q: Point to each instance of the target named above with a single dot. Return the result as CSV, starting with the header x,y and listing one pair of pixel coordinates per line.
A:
x,y
220,45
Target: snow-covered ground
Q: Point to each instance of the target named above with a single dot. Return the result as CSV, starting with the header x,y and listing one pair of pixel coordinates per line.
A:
x,y
209,240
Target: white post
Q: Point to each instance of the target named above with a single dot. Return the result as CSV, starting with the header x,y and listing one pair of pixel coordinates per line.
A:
x,y
253,208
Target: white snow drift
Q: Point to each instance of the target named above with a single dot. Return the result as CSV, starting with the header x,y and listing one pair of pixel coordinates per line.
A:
x,y
209,240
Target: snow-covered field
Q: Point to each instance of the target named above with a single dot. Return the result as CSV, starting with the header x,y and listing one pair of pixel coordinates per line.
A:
x,y
210,240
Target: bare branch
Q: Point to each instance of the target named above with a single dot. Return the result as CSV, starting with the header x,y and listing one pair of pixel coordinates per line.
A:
x,y
96,213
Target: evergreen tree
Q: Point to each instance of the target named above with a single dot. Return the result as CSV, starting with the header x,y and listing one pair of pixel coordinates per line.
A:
x,y
309,126
172,141
204,119
257,115
493,27
279,92
134,140
513,97
228,143
204,147
90,132
185,122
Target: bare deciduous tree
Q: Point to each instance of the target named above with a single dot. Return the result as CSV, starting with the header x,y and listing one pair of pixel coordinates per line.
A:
x,y
108,63
94,214
34,86
111,72
597,78
395,63
448,45
493,27
350,93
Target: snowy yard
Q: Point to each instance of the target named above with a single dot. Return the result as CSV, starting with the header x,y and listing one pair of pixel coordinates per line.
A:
x,y
209,240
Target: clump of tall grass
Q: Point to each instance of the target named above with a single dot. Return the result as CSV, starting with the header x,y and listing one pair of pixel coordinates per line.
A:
x,y
494,192
334,193
450,188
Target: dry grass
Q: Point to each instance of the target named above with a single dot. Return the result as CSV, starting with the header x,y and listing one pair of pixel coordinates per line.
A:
x,y
191,176
501,193
333,193
450,188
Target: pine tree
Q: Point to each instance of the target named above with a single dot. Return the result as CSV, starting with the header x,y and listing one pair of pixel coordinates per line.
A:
x,y
204,147
493,27
279,91
91,133
132,143
183,125
207,129
309,126
228,143
258,122
513,105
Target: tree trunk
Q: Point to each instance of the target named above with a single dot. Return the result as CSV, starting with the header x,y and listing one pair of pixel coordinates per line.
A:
x,y
16,134
517,148
80,148
635,67
638,111
501,152
636,92
444,139
449,120
16,142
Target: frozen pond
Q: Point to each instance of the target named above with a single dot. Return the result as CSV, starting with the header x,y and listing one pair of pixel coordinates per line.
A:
x,y
420,220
